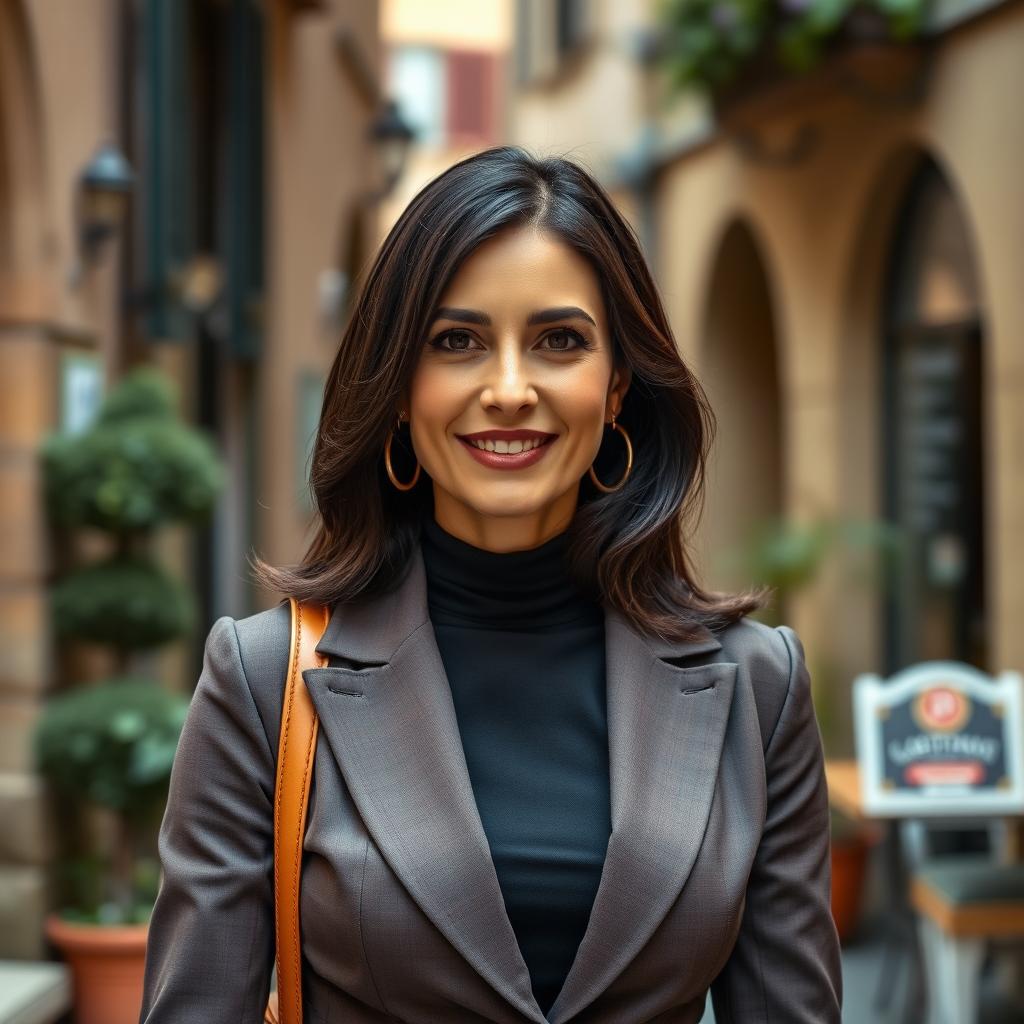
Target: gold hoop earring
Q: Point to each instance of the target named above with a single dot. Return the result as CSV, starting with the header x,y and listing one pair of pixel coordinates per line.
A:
x,y
387,461
629,462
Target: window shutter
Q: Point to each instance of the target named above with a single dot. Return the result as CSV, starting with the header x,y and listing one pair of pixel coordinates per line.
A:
x,y
472,97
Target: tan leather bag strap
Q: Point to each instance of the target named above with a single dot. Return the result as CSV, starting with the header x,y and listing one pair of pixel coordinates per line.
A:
x,y
296,747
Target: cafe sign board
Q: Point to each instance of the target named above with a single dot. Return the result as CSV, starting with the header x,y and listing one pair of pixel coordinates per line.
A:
x,y
940,738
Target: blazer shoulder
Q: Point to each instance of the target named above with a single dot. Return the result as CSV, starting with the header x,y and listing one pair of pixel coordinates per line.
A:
x,y
264,641
770,658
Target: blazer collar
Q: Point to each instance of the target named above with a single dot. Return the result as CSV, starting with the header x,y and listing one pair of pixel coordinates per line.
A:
x,y
372,631
386,710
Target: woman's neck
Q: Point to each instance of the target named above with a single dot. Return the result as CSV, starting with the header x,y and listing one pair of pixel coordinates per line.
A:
x,y
528,589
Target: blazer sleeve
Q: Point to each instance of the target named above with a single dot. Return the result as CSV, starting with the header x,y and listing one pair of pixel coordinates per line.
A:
x,y
785,965
210,951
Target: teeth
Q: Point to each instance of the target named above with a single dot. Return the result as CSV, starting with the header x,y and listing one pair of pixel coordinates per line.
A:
x,y
507,447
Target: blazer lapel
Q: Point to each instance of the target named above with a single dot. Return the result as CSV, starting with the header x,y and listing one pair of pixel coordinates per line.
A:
x,y
386,711
392,728
666,724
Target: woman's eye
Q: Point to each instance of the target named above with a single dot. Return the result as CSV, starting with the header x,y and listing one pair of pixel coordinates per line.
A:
x,y
565,341
460,341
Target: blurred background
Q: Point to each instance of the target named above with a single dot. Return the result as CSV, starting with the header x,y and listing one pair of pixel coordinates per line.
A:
x,y
828,193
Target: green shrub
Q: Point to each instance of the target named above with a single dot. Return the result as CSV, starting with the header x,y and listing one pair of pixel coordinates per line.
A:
x,y
88,876
143,392
127,601
112,744
130,475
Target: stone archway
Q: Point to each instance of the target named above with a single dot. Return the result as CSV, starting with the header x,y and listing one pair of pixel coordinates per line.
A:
x,y
739,367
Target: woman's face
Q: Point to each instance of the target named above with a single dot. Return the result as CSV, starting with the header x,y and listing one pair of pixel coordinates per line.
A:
x,y
517,354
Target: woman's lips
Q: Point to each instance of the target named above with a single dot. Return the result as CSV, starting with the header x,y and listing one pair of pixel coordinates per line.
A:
x,y
501,460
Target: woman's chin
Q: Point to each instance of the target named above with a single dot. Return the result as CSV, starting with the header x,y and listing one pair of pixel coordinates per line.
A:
x,y
507,501
504,509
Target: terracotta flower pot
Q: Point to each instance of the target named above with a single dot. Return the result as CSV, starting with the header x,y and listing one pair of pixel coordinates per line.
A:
x,y
107,964
849,866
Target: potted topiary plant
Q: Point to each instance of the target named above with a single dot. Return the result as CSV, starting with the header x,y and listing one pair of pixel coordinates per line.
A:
x,y
111,745
788,557
106,746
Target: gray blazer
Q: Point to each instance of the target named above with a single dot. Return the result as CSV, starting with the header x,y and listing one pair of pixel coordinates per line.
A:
x,y
717,871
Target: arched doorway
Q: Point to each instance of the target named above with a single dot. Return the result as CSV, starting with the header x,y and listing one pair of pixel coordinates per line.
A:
x,y
739,369
933,447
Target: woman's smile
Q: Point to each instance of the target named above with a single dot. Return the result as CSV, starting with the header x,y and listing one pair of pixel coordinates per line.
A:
x,y
507,449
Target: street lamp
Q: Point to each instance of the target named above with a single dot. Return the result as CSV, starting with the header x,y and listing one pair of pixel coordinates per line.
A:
x,y
392,137
104,187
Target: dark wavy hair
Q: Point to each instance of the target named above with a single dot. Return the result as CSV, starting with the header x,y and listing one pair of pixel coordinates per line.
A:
x,y
627,547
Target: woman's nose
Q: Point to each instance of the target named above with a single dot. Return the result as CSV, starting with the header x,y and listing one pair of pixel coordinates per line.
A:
x,y
510,388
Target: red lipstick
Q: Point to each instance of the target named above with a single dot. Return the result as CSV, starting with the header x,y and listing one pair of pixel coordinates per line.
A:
x,y
507,460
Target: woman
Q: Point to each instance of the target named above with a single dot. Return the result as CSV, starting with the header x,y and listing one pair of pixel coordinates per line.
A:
x,y
556,779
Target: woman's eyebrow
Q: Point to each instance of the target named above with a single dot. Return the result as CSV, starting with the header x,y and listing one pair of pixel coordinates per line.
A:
x,y
541,316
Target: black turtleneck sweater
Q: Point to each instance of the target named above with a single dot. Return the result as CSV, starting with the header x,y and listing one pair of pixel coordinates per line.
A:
x,y
523,648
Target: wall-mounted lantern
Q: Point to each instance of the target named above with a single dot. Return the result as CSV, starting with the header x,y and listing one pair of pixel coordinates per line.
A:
x,y
104,188
392,136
